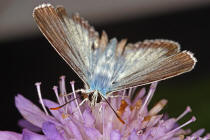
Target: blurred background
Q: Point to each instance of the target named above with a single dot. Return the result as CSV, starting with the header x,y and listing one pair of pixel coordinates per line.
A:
x,y
27,57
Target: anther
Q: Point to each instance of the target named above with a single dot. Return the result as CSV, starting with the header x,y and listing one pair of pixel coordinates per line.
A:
x,y
187,110
73,89
193,119
158,107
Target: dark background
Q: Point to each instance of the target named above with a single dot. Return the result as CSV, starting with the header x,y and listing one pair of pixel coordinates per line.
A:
x,y
32,59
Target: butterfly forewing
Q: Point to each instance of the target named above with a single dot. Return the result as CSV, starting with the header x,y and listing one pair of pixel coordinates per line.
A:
x,y
71,38
80,35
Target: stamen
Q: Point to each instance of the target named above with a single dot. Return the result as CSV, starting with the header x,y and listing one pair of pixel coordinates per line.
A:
x,y
124,91
62,84
133,90
149,97
72,86
141,93
147,118
123,105
55,89
64,116
63,90
129,92
40,97
60,101
187,110
86,99
193,119
158,107
137,105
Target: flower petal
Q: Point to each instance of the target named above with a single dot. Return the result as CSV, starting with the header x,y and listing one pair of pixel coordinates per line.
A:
x,y
7,135
74,129
26,124
28,135
139,96
133,135
198,133
157,131
50,131
168,124
115,135
31,112
92,133
154,120
88,118
108,129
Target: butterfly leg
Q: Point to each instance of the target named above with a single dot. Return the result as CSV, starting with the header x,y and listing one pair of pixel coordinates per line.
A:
x,y
78,107
116,96
76,91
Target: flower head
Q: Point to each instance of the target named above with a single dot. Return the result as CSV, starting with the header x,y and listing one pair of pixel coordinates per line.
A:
x,y
78,120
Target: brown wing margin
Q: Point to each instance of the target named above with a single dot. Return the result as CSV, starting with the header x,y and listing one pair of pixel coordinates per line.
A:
x,y
53,29
168,68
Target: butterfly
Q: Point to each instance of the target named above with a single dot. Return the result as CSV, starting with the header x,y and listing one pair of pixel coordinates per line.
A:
x,y
104,65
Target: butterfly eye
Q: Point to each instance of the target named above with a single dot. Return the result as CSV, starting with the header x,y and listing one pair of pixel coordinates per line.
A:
x,y
99,99
90,97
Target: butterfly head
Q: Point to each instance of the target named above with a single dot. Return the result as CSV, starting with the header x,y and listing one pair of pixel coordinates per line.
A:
x,y
94,98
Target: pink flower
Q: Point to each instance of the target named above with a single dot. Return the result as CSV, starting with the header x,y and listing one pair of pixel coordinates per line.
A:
x,y
77,121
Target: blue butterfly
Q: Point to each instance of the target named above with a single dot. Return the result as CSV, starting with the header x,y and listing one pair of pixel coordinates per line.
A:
x,y
108,66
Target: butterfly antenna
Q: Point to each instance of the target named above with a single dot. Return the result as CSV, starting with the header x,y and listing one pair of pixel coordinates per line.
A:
x,y
113,110
56,108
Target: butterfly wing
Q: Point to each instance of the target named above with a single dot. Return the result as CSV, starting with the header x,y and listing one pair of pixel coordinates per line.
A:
x,y
104,66
149,61
72,37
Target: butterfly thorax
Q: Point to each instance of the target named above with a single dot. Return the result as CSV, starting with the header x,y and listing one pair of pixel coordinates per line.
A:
x,y
103,69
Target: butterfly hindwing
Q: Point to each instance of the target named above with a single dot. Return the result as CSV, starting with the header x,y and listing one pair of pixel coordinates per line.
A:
x,y
152,60
140,55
